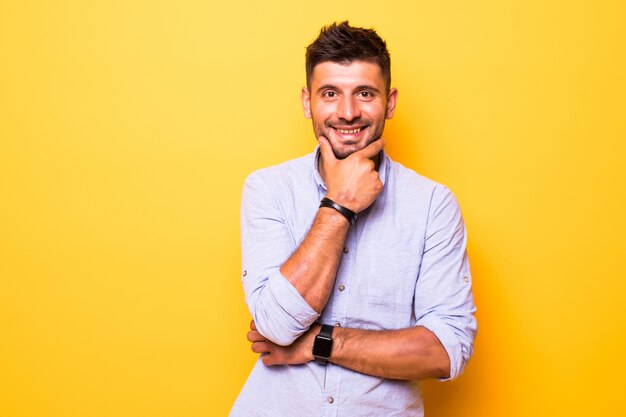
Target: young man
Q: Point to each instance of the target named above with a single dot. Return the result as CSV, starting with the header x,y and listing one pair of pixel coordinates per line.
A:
x,y
355,268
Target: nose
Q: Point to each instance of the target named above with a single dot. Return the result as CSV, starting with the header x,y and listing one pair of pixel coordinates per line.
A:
x,y
348,108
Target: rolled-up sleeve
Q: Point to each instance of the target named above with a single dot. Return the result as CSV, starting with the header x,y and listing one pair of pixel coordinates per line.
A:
x,y
279,311
444,302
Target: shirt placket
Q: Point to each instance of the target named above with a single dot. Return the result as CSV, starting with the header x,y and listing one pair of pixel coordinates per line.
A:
x,y
337,317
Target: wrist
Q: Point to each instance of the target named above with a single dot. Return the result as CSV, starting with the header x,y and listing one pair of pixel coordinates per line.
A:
x,y
342,199
323,344
313,332
349,215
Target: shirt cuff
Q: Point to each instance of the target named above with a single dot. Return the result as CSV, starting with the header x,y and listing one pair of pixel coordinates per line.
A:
x,y
448,339
298,314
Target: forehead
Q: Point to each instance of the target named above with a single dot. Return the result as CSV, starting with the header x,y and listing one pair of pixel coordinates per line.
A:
x,y
355,73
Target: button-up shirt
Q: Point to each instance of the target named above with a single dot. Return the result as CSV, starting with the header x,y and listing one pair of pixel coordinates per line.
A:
x,y
404,264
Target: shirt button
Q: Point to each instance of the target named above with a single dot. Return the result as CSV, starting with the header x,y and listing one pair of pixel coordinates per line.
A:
x,y
245,273
330,400
466,279
342,287
346,250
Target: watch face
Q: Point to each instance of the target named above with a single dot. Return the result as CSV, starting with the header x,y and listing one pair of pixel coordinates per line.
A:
x,y
322,347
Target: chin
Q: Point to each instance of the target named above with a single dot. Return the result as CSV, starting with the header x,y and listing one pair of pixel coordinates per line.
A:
x,y
342,152
347,150
342,155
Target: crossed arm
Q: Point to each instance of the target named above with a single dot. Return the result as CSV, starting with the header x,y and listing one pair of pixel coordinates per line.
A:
x,y
411,353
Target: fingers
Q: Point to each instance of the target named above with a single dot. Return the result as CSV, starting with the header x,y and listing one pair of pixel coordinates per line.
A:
x,y
260,344
326,149
269,360
372,149
255,336
260,347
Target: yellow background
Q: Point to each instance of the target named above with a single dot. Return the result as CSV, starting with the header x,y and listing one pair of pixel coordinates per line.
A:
x,y
128,127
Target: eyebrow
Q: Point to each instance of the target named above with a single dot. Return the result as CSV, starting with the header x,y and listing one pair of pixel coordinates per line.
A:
x,y
358,88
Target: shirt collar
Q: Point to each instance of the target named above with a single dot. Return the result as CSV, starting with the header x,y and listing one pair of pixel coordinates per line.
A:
x,y
382,169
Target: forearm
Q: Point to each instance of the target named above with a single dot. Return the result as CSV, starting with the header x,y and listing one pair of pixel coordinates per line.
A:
x,y
353,183
312,268
412,353
287,287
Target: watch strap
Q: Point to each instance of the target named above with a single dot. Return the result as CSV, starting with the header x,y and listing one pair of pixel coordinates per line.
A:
x,y
326,331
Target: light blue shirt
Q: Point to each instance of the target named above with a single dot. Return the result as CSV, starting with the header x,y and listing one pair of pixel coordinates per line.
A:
x,y
404,264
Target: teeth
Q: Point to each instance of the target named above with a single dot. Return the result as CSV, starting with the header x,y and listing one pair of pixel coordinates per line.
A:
x,y
345,132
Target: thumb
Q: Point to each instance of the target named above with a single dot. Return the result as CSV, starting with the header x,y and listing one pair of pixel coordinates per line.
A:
x,y
372,149
326,150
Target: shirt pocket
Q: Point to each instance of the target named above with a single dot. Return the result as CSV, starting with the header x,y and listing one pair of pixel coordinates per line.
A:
x,y
390,289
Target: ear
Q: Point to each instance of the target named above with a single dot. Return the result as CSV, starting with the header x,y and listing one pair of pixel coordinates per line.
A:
x,y
392,98
305,96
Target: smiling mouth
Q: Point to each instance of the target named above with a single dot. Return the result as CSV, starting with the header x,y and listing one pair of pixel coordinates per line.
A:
x,y
352,131
347,132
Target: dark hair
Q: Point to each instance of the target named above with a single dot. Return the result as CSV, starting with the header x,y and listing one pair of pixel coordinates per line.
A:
x,y
343,43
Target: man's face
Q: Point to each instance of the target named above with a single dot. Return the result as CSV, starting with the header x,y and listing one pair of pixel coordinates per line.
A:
x,y
348,104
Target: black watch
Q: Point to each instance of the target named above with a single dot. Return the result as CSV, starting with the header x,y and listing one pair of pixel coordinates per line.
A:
x,y
323,344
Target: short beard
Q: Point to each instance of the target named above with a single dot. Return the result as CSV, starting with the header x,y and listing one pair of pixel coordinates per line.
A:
x,y
344,155
377,135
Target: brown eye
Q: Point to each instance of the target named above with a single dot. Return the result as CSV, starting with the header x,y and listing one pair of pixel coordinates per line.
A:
x,y
329,94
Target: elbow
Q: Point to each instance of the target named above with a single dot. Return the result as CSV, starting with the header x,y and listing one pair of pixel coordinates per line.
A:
x,y
434,355
278,333
280,315
283,341
443,369
453,339
275,324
